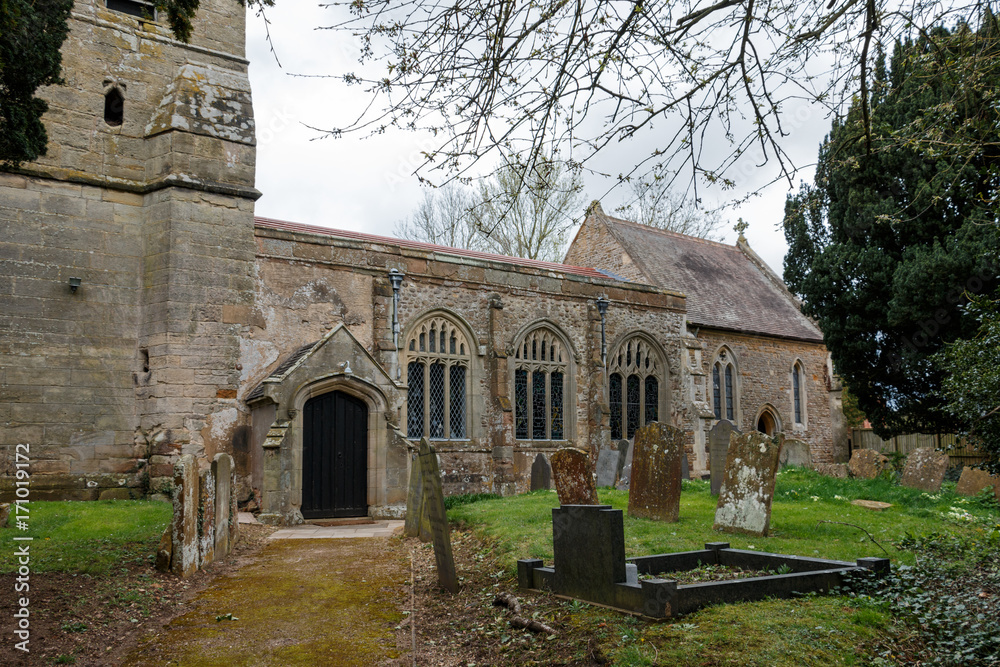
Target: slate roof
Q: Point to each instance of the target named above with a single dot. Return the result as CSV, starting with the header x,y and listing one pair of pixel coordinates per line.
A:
x,y
279,373
435,249
726,288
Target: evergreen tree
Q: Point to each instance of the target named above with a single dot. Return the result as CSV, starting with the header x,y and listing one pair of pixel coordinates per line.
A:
x,y
900,227
31,34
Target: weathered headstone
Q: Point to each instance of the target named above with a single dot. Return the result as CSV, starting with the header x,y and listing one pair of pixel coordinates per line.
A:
x,y
234,508
184,524
974,480
416,524
222,469
867,463
541,473
924,470
718,445
624,447
625,474
748,488
574,477
655,492
430,473
795,453
607,466
206,519
838,470
685,466
588,546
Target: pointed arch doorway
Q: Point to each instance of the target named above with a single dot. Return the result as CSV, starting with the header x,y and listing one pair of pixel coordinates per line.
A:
x,y
334,456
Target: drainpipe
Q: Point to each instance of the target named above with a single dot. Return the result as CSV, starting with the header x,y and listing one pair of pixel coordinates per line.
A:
x,y
602,308
396,278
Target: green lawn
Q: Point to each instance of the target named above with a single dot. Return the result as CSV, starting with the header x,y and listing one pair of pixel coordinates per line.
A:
x,y
87,537
803,499
823,630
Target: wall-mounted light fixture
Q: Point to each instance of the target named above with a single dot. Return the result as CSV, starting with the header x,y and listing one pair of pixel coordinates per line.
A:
x,y
602,308
74,284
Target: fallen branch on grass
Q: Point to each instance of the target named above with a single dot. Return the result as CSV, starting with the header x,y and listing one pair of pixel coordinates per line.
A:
x,y
518,621
843,523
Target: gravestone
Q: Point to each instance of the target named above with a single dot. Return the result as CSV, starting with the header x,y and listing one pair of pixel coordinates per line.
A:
x,y
222,470
655,492
588,546
974,480
541,473
574,477
924,470
206,523
232,517
184,524
416,523
607,466
685,466
795,453
430,474
748,488
624,448
867,464
718,445
876,505
838,470
625,475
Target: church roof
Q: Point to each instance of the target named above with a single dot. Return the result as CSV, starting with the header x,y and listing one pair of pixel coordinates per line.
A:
x,y
436,249
727,287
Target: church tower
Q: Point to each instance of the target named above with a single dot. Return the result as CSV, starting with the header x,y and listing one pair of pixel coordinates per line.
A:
x,y
127,255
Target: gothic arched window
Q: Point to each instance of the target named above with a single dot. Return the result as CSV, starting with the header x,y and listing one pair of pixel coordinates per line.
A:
x,y
798,393
541,375
724,391
437,373
635,378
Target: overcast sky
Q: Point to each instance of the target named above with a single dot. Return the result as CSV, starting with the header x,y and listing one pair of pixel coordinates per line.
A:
x,y
366,184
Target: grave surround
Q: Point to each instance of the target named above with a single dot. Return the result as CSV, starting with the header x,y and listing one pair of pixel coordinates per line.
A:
x,y
590,565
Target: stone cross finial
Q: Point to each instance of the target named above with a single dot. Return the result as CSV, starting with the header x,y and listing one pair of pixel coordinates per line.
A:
x,y
595,208
741,227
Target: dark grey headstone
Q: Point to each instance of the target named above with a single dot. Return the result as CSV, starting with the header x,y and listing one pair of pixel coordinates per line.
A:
x,y
607,466
685,466
430,473
625,476
541,473
588,544
718,446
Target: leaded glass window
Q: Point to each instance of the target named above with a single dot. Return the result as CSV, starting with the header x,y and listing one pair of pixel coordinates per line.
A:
x,y
457,410
639,367
724,389
632,403
437,376
540,365
521,404
798,393
538,405
415,417
556,404
615,399
652,399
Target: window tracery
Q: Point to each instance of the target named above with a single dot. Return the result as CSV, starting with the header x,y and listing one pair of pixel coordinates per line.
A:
x,y
437,373
541,363
636,374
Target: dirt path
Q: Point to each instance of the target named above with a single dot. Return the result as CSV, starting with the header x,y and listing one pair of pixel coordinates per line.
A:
x,y
299,602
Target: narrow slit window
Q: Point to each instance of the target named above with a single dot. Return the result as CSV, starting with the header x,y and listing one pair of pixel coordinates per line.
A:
x,y
114,107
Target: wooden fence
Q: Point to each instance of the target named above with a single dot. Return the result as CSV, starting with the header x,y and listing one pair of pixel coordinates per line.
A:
x,y
958,450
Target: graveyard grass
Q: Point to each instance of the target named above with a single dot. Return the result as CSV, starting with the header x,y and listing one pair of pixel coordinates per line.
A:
x,y
827,630
90,537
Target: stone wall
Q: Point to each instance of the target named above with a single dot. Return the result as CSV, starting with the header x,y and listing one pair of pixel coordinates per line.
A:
x,y
764,369
155,217
314,281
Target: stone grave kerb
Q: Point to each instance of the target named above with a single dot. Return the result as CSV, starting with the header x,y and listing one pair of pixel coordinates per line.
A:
x,y
588,543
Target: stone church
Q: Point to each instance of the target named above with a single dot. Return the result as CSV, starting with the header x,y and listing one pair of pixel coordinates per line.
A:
x,y
146,313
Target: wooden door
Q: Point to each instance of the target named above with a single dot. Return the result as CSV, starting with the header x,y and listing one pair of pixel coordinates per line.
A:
x,y
334,456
